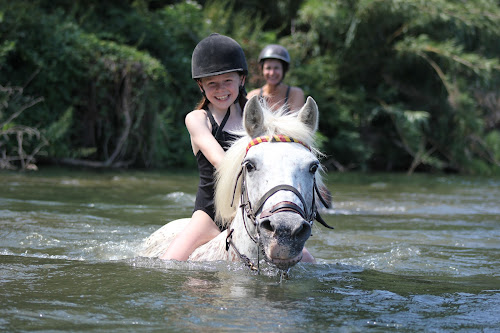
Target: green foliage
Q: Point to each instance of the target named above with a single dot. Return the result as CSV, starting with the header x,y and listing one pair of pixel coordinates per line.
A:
x,y
493,142
19,144
57,136
401,85
369,62
115,87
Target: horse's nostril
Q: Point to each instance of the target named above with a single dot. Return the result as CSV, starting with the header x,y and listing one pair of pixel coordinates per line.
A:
x,y
303,230
297,230
266,225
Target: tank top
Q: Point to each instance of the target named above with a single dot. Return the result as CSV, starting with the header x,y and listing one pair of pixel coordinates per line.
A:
x,y
287,107
206,187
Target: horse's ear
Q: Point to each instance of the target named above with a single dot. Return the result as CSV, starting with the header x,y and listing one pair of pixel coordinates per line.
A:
x,y
253,117
309,114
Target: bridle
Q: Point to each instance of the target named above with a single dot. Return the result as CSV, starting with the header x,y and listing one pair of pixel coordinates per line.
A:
x,y
250,213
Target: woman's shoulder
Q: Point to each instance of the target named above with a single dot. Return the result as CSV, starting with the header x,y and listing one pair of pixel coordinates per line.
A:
x,y
296,93
253,93
296,98
296,90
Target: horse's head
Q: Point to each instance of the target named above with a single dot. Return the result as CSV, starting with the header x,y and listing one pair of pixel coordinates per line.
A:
x,y
276,182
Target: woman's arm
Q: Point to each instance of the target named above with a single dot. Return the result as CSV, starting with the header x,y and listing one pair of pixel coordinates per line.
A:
x,y
296,100
252,93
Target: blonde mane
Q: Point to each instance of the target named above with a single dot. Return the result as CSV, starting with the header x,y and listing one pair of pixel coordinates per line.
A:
x,y
227,192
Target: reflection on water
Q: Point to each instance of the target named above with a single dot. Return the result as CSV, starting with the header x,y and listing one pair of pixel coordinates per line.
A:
x,y
417,253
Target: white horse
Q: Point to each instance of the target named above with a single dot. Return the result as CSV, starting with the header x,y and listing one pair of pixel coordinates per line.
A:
x,y
266,191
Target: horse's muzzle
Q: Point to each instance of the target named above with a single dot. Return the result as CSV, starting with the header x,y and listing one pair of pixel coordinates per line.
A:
x,y
283,235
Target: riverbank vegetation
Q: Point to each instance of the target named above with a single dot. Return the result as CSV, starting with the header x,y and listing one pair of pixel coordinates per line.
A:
x,y
401,85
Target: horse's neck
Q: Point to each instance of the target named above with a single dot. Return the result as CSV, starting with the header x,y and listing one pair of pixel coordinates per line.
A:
x,y
216,248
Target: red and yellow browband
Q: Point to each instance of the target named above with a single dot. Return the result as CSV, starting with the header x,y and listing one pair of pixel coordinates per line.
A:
x,y
273,138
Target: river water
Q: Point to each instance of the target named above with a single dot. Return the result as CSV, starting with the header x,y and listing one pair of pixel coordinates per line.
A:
x,y
408,254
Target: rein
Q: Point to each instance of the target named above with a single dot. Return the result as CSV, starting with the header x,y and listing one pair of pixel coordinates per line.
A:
x,y
250,213
244,258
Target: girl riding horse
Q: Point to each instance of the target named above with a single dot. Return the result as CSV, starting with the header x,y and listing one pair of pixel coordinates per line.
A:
x,y
219,68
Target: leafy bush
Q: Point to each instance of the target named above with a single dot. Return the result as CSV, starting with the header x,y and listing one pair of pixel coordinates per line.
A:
x,y
401,85
397,80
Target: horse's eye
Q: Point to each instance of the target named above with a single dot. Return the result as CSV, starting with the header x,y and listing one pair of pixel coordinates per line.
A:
x,y
249,166
314,167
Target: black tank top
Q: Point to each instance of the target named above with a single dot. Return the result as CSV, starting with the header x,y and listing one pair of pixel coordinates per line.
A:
x,y
205,195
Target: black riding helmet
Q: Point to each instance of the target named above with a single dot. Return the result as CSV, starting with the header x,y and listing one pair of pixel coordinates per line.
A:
x,y
217,54
275,51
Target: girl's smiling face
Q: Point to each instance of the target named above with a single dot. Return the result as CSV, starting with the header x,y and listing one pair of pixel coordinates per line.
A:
x,y
272,70
222,90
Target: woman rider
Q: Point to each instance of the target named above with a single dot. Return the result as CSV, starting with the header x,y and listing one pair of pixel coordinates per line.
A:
x,y
274,61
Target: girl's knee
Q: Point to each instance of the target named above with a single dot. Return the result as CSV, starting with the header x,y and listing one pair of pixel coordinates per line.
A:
x,y
307,257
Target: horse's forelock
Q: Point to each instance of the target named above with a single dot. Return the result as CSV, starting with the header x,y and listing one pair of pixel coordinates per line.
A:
x,y
275,123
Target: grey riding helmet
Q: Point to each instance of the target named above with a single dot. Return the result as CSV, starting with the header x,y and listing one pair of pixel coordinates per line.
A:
x,y
275,51
217,54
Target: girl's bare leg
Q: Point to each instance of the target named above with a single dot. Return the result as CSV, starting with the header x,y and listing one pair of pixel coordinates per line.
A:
x,y
198,231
